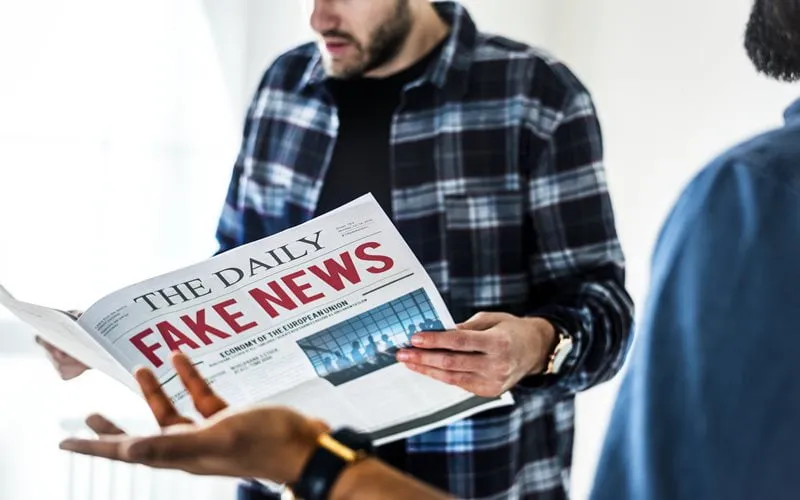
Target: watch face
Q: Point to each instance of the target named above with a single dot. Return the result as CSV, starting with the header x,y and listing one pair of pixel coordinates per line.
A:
x,y
560,355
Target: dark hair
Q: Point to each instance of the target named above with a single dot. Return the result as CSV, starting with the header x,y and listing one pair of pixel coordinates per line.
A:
x,y
772,38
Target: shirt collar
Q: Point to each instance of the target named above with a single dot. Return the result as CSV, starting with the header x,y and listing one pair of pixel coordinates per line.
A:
x,y
792,114
448,71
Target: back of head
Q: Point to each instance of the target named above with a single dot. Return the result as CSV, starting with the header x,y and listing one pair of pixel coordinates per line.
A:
x,y
772,38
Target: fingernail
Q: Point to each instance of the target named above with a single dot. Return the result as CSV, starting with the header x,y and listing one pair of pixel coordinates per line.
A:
x,y
417,340
403,356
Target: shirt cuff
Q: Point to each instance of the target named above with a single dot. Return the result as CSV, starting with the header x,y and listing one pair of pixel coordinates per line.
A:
x,y
564,321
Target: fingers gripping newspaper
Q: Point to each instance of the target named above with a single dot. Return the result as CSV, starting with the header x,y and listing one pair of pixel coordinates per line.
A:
x,y
310,318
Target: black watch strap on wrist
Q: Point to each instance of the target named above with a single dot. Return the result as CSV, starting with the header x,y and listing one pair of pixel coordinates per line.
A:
x,y
328,461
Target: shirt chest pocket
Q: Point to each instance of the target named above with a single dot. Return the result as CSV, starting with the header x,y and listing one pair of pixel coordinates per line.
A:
x,y
485,248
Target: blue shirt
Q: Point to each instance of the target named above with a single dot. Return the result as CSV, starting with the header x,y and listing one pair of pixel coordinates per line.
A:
x,y
710,406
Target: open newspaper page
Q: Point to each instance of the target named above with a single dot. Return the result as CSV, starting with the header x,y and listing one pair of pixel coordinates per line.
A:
x,y
63,331
310,318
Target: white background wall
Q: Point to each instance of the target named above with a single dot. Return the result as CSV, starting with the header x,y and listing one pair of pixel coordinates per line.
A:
x,y
670,79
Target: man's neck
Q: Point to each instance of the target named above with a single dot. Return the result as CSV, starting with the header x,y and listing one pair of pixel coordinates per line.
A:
x,y
427,31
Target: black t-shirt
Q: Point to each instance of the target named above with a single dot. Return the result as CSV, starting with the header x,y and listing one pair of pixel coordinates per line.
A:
x,y
361,160
361,156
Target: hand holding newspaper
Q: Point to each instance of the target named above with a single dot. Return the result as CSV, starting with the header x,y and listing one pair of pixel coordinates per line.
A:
x,y
309,318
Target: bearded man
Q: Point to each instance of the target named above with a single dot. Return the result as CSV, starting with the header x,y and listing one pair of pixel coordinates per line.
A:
x,y
487,155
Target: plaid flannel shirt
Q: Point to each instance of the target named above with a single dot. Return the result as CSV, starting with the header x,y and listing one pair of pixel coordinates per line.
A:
x,y
499,188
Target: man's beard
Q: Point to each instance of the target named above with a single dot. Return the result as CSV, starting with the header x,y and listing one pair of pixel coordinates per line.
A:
x,y
384,44
772,38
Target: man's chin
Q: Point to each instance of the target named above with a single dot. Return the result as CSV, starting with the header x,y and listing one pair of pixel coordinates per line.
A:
x,y
771,43
343,71
775,64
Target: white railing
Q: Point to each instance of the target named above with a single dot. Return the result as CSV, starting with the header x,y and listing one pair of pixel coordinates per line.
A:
x,y
90,478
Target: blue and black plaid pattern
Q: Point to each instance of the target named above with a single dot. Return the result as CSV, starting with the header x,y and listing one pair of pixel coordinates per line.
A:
x,y
499,189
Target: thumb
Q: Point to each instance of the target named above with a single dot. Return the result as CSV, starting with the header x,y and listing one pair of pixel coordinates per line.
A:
x,y
482,321
205,400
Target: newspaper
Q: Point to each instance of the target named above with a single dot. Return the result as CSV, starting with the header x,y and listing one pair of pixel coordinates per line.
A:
x,y
310,318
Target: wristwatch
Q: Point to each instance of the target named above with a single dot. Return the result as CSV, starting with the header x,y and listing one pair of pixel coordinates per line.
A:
x,y
334,452
560,352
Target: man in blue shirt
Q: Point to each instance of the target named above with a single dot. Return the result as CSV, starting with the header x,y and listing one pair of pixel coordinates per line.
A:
x,y
710,407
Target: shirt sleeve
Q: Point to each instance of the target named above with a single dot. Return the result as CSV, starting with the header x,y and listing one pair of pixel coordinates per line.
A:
x,y
708,407
577,263
238,224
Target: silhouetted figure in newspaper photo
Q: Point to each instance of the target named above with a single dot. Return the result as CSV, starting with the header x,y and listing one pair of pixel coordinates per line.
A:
x,y
341,362
409,101
267,442
355,353
372,348
710,406
327,364
386,343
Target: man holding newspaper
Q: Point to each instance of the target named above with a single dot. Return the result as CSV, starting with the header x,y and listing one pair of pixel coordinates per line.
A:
x,y
487,156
